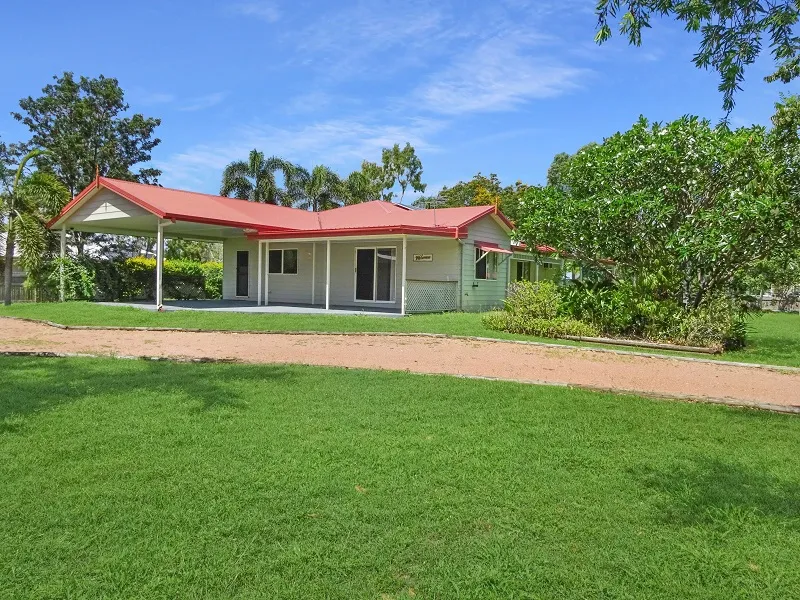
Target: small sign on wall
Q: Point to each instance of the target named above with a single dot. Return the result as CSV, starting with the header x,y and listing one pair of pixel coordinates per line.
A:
x,y
423,258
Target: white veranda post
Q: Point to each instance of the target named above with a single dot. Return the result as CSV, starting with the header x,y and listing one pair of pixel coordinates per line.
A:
x,y
266,273
328,275
258,295
313,272
160,266
403,292
61,282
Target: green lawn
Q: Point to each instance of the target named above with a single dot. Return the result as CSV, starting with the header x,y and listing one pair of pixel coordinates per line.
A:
x,y
128,479
774,338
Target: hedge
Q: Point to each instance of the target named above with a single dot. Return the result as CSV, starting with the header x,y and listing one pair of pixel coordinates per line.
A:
x,y
135,279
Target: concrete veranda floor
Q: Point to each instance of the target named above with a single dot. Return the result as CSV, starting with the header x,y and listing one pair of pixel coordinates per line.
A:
x,y
244,306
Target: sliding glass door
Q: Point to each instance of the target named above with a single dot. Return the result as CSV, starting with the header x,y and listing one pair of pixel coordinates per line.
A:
x,y
375,274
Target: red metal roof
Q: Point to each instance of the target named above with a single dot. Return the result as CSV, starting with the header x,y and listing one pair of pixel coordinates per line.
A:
x,y
275,222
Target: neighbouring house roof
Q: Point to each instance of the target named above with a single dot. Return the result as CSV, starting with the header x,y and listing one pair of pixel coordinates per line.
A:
x,y
523,247
267,221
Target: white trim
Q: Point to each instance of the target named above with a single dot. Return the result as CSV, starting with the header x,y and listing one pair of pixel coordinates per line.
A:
x,y
374,275
328,276
160,266
403,277
258,295
63,255
266,274
313,272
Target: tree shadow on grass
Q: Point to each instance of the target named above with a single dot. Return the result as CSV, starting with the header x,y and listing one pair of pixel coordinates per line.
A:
x,y
712,491
33,385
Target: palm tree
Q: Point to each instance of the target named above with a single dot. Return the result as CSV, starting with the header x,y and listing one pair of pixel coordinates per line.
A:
x,y
254,179
32,201
321,189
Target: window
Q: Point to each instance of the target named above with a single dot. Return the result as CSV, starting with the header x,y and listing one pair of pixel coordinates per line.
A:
x,y
283,262
485,264
523,271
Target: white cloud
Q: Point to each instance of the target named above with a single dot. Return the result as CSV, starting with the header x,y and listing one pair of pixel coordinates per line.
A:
x,y
499,74
341,144
203,102
266,10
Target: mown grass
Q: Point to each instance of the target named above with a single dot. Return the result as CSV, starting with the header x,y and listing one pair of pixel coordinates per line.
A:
x,y
774,338
156,480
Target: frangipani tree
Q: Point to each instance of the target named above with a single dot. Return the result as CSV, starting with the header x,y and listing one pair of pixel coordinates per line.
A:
x,y
682,208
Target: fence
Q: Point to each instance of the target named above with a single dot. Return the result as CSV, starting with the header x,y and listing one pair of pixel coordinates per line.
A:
x,y
19,293
431,296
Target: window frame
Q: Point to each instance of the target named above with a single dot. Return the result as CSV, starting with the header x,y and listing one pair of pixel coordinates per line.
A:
x,y
283,261
484,258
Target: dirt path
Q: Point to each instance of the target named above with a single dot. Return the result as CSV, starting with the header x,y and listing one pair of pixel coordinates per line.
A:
x,y
573,366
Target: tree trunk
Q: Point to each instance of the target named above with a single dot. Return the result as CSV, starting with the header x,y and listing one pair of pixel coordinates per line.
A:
x,y
9,266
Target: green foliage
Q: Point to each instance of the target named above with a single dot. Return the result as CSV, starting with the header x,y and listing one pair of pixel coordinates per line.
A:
x,y
533,309
403,168
322,188
628,311
239,481
135,279
779,275
212,279
193,250
78,279
84,124
732,33
538,300
714,323
30,201
682,208
399,167
478,191
254,179
525,325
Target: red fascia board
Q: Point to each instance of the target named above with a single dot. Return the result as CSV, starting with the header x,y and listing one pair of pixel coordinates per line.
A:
x,y
399,230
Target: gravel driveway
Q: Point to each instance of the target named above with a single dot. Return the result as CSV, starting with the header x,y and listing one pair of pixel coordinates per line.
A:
x,y
650,375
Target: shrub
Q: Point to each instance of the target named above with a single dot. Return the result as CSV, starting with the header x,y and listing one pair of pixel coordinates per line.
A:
x,y
532,309
78,279
716,323
627,310
212,279
539,300
526,325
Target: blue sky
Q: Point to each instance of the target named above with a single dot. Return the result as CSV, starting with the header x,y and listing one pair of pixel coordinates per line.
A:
x,y
495,86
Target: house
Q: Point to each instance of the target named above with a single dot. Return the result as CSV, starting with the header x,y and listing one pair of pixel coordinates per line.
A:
x,y
539,264
371,256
